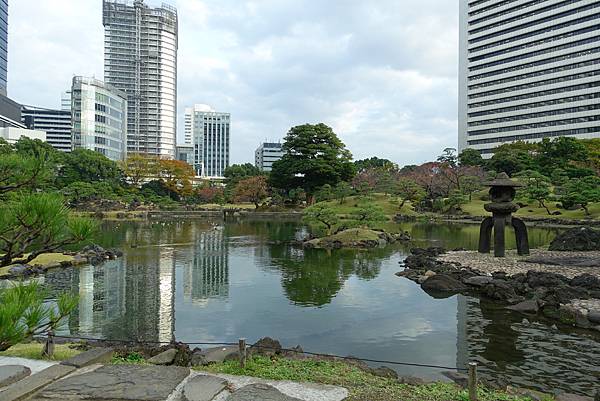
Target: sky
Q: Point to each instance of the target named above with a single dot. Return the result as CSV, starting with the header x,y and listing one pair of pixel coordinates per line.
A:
x,y
381,73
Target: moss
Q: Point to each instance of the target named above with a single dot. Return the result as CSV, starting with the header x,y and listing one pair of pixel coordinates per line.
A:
x,y
362,386
51,258
354,237
34,351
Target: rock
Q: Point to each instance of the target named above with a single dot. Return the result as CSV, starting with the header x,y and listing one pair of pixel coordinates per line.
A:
x,y
594,316
572,397
219,354
443,283
459,378
429,273
18,270
549,280
164,358
90,357
500,290
478,281
384,372
411,381
259,392
577,239
266,347
530,306
198,359
203,388
10,374
586,281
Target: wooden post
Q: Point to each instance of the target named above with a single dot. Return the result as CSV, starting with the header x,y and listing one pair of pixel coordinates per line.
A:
x,y
242,345
48,350
472,381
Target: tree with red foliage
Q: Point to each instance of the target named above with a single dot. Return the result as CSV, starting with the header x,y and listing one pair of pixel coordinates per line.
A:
x,y
253,189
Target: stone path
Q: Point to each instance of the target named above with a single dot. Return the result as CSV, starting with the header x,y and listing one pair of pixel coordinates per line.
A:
x,y
85,377
561,262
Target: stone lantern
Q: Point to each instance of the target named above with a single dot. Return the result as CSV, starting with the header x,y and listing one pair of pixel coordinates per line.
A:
x,y
502,194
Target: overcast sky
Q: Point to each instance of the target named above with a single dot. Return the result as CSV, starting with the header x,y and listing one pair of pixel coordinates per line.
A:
x,y
382,73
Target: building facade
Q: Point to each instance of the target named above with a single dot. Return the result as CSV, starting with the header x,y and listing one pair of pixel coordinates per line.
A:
x,y
267,154
185,153
99,118
56,123
10,113
211,140
13,134
3,46
528,70
140,58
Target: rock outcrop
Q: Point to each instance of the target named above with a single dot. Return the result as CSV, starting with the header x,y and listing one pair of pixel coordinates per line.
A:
x,y
577,239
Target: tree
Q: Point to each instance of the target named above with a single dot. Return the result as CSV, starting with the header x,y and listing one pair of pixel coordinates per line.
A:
x,y
455,201
34,224
210,194
368,215
23,172
561,152
238,172
513,158
470,158
373,162
409,191
324,193
139,168
537,188
253,189
470,184
582,192
177,175
341,191
24,314
321,214
315,156
83,165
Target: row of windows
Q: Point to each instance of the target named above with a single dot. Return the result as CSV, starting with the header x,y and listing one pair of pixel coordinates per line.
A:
x,y
537,53
536,84
534,105
537,42
508,11
538,63
537,94
477,2
513,138
549,113
536,74
488,8
532,23
544,124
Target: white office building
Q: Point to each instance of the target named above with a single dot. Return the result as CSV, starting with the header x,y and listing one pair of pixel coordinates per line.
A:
x,y
140,58
528,70
13,134
211,139
267,154
56,123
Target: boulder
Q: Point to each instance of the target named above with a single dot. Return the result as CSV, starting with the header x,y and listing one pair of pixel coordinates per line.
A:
x,y
10,374
203,388
478,281
500,290
586,281
443,283
537,279
198,359
266,347
594,316
259,392
164,358
18,270
220,354
577,239
529,306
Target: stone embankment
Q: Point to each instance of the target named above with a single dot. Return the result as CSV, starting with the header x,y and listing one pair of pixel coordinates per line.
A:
x,y
91,254
572,298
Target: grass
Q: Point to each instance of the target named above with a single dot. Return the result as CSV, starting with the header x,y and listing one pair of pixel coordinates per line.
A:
x,y
362,386
34,351
390,205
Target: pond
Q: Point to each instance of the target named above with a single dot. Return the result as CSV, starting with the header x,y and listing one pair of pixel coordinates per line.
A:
x,y
192,282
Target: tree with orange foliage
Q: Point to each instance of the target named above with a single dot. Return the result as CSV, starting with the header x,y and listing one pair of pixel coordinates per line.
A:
x,y
139,168
177,175
253,189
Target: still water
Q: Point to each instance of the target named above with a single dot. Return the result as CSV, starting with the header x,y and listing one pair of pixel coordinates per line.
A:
x,y
187,281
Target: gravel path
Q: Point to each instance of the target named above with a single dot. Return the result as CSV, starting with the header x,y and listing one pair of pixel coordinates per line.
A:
x,y
514,263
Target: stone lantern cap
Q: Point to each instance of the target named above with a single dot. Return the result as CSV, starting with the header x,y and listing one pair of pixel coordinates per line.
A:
x,y
502,180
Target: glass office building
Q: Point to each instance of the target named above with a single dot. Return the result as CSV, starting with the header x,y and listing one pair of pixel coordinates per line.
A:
x,y
267,154
140,58
211,140
99,118
528,70
3,45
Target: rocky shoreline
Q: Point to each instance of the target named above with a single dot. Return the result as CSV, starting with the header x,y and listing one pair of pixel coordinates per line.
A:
x,y
91,254
571,300
356,238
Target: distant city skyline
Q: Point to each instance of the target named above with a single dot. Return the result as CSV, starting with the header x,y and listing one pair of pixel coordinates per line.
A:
x,y
387,86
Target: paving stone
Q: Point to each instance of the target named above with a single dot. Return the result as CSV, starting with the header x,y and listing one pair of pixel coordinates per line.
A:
x,y
203,388
573,397
220,354
31,384
91,357
10,374
117,383
164,358
259,392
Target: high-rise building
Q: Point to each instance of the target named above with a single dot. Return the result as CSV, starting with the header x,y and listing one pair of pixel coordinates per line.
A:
x,y
99,118
56,123
211,139
3,46
185,153
267,154
528,70
140,58
65,100
13,134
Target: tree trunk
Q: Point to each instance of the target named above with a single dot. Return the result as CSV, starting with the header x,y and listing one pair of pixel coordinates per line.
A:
x,y
546,207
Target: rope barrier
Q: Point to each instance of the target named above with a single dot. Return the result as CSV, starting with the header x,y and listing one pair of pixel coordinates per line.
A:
x,y
333,356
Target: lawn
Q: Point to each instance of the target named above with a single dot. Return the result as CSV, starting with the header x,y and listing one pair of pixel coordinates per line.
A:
x,y
34,351
362,386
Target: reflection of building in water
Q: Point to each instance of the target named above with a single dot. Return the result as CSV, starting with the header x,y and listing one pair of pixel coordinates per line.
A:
x,y
206,275
166,312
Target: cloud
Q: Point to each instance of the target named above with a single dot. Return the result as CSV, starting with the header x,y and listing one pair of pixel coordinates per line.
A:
x,y
383,74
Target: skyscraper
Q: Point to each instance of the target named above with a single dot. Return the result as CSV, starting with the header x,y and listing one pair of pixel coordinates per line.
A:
x,y
3,45
99,118
140,58
211,139
528,70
